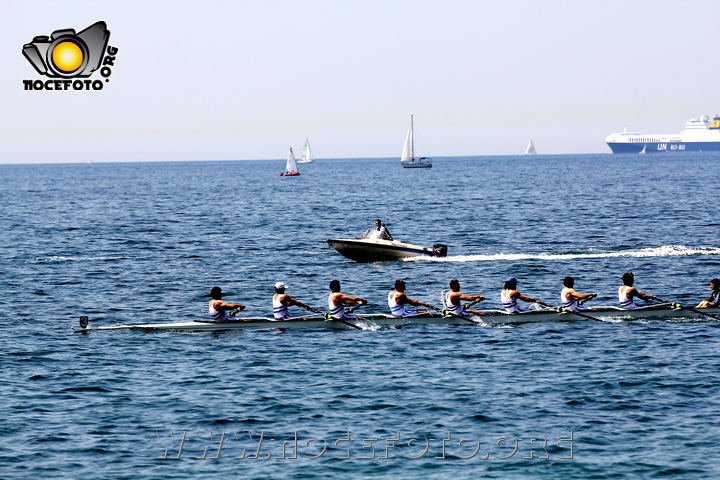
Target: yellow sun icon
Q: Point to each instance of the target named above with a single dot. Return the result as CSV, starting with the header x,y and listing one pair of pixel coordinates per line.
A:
x,y
67,56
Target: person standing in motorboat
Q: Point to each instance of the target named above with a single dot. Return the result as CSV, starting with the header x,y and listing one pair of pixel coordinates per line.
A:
x,y
218,309
281,301
338,300
453,300
384,232
569,297
397,301
627,293
510,295
714,300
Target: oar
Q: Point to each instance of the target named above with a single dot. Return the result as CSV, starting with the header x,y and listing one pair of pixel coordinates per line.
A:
x,y
448,312
563,309
329,318
468,305
355,307
690,309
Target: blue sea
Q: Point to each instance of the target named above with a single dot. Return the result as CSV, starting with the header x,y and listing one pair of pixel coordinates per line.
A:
x,y
144,242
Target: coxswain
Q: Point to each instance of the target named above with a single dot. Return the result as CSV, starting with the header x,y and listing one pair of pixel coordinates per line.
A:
x,y
569,297
397,301
218,309
453,300
384,232
509,297
627,293
337,301
714,300
281,301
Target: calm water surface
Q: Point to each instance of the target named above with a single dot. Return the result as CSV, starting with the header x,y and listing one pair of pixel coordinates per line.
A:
x,y
138,243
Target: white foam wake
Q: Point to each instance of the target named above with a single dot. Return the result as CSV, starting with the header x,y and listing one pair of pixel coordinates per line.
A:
x,y
664,251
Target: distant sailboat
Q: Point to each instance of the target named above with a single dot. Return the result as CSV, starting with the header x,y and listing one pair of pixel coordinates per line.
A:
x,y
291,168
530,149
644,150
408,156
307,156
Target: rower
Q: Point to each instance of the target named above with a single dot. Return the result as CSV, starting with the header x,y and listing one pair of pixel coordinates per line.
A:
x,y
337,301
384,232
218,309
509,297
454,297
569,297
281,301
397,301
627,292
714,300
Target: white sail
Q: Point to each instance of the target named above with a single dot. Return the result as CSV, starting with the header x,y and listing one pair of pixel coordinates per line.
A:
x,y
530,149
291,165
307,156
408,154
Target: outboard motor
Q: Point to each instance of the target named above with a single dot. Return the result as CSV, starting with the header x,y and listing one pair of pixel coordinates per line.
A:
x,y
441,249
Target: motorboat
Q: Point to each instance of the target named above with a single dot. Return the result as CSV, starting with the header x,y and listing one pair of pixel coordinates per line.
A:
x,y
371,247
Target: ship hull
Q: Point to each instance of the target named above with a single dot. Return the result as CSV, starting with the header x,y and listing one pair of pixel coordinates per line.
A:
x,y
664,147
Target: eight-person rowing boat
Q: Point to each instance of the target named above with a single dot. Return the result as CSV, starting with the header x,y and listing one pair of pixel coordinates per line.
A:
x,y
489,318
454,312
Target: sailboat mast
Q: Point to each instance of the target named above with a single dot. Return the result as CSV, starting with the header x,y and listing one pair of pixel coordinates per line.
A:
x,y
412,140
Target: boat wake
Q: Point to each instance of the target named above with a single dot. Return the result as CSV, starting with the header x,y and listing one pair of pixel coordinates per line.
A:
x,y
57,258
366,324
664,251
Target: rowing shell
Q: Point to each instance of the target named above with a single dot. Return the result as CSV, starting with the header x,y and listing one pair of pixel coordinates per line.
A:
x,y
491,317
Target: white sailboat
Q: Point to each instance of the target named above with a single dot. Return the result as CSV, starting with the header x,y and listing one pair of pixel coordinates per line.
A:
x,y
644,150
291,168
408,156
530,149
307,156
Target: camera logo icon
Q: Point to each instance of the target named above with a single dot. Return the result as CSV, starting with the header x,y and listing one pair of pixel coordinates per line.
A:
x,y
67,54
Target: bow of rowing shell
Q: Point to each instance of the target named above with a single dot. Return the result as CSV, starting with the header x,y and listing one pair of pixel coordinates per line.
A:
x,y
491,317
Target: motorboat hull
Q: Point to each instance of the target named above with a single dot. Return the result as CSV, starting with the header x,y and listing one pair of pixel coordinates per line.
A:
x,y
376,250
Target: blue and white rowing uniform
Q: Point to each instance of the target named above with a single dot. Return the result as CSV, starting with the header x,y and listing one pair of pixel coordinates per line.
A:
x,y
339,310
510,303
715,297
280,311
458,309
218,315
625,302
397,309
571,304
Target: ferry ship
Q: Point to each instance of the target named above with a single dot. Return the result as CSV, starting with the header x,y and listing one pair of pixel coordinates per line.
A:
x,y
700,135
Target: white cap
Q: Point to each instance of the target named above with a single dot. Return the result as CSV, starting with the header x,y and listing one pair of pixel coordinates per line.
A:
x,y
280,285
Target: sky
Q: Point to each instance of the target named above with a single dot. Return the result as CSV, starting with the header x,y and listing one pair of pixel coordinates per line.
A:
x,y
245,80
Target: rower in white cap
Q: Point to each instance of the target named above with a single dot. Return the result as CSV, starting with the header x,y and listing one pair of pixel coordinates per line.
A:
x,y
281,302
